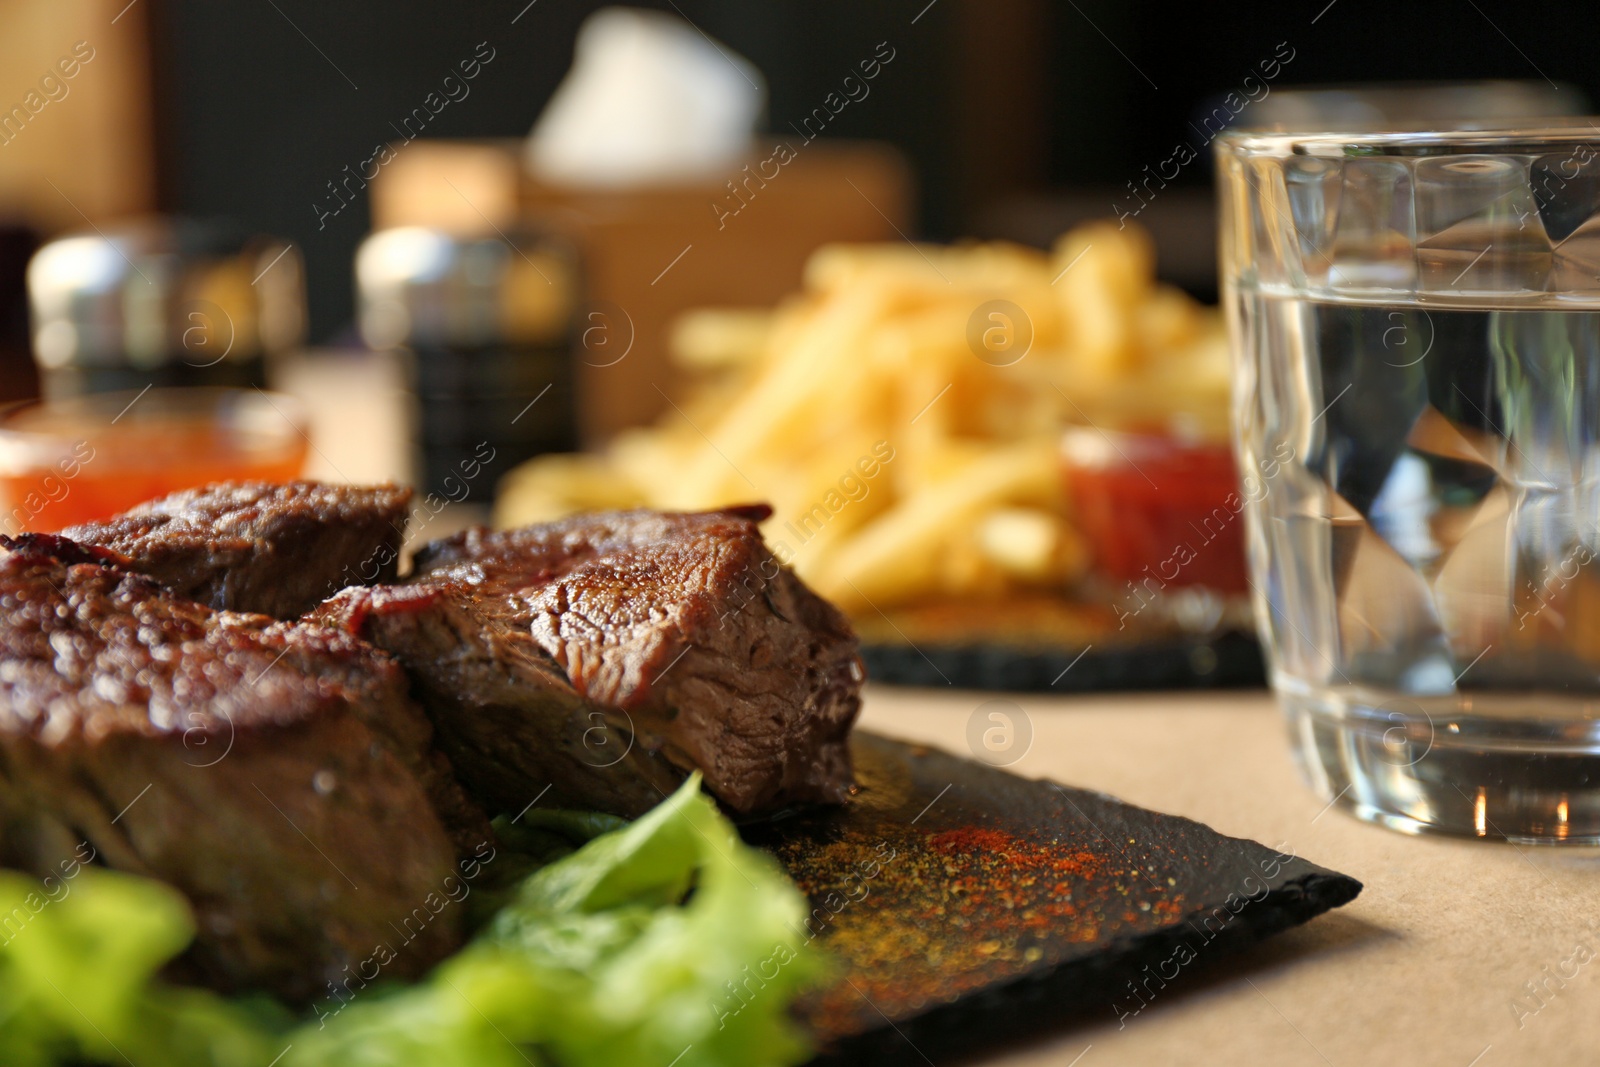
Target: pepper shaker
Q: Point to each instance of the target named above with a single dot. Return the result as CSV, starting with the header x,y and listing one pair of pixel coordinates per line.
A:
x,y
485,325
163,302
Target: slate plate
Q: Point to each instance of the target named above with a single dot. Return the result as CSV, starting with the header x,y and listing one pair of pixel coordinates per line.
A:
x,y
966,904
1045,643
1229,660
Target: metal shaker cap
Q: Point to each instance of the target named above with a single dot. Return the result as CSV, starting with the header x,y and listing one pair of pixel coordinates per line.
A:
x,y
159,291
423,286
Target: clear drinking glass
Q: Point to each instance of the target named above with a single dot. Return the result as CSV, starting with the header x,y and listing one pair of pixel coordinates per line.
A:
x,y
1416,326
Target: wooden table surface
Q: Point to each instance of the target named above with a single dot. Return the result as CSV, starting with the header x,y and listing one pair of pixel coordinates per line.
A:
x,y
1457,953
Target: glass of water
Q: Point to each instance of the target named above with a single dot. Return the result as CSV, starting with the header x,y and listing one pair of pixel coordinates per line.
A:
x,y
1416,327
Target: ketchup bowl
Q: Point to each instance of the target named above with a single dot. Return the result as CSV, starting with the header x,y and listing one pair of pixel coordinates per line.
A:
x,y
1161,514
83,458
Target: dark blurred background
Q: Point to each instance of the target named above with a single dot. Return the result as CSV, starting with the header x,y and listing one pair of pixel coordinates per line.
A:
x,y
1018,117
1001,105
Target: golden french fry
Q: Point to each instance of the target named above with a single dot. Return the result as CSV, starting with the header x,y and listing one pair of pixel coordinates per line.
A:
x,y
819,365
1024,542
555,486
1106,273
898,552
719,338
929,271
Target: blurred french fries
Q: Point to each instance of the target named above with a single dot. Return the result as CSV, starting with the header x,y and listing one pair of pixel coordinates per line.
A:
x,y
902,414
717,339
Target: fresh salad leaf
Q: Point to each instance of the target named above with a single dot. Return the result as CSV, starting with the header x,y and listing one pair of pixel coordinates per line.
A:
x,y
76,980
666,941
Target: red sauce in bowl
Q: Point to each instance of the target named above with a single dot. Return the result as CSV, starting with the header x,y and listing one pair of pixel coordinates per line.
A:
x,y
87,458
1157,507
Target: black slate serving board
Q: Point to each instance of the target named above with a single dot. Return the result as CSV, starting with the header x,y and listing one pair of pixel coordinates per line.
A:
x,y
1228,660
966,905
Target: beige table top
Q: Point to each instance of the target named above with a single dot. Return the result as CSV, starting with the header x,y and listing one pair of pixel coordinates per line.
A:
x,y
1427,966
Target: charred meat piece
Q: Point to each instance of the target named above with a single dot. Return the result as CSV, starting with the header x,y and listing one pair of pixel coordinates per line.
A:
x,y
254,546
277,774
513,725
609,655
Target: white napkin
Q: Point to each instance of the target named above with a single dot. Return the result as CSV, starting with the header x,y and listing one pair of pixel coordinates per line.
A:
x,y
649,99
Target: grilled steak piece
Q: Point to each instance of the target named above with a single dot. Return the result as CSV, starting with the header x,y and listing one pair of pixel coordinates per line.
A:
x,y
277,774
253,546
609,655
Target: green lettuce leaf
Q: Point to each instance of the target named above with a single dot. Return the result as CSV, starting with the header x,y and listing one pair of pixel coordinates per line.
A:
x,y
666,941
76,980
